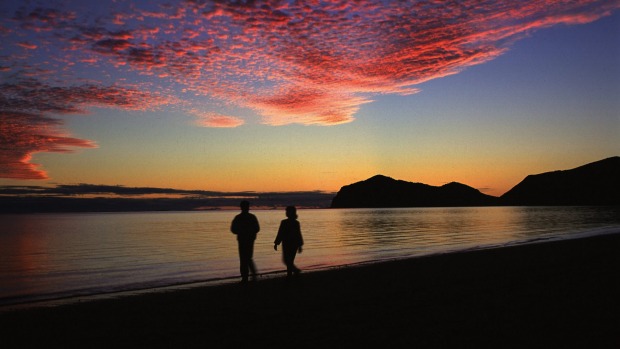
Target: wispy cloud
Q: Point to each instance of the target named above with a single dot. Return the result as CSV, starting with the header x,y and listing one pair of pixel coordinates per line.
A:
x,y
210,119
307,105
290,62
22,135
27,45
26,127
90,197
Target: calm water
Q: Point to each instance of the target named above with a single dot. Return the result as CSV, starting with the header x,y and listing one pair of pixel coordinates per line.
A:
x,y
49,256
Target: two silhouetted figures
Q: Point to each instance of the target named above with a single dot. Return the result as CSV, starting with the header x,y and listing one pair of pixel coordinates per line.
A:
x,y
245,226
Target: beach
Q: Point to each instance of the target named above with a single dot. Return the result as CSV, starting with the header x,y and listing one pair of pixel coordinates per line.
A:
x,y
558,294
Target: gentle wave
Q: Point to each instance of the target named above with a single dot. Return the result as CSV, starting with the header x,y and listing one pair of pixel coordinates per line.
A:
x,y
63,256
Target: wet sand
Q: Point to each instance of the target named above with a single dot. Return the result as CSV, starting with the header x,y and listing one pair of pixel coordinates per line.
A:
x,y
557,294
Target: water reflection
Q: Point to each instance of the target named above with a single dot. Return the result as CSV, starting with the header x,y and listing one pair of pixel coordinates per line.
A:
x,y
540,222
20,255
411,231
66,254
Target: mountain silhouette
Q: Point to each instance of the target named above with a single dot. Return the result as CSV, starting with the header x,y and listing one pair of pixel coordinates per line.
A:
x,y
382,191
597,183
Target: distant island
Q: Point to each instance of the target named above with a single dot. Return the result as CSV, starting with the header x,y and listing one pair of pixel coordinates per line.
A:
x,y
382,191
592,184
596,183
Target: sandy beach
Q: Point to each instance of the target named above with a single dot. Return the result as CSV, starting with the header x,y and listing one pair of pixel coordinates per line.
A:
x,y
557,294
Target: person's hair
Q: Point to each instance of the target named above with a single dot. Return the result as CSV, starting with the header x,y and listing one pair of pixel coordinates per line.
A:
x,y
291,212
245,205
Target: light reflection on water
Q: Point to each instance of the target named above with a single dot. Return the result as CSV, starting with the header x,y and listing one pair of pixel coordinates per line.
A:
x,y
56,255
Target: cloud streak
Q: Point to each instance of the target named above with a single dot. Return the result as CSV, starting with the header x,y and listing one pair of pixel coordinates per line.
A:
x,y
217,120
89,197
22,135
289,62
26,128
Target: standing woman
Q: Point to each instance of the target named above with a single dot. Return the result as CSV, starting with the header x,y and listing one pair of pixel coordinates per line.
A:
x,y
289,235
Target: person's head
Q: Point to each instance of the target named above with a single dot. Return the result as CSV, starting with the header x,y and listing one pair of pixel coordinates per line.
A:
x,y
245,206
291,212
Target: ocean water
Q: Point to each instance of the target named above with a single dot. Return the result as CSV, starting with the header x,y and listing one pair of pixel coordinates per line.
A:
x,y
64,256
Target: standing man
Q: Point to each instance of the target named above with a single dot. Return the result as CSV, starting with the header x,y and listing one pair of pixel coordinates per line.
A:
x,y
245,226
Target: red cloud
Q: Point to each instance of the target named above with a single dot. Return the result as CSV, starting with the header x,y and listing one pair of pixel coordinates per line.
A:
x,y
334,53
316,64
22,135
111,46
217,120
44,19
291,62
25,128
27,45
300,106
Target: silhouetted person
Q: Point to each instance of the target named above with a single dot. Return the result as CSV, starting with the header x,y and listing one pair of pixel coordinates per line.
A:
x,y
289,234
245,226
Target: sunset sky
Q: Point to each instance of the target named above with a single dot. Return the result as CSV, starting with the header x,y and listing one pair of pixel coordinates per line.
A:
x,y
308,95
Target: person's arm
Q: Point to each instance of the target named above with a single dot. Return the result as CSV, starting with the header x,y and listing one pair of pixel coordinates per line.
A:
x,y
256,225
233,226
301,238
278,239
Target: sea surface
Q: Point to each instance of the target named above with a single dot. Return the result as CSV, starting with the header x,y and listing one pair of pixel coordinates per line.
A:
x,y
47,257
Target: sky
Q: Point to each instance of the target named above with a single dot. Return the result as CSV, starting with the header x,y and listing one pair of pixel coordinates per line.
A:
x,y
305,95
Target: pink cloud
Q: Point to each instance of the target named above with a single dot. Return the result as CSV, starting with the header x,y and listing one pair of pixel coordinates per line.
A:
x,y
217,120
118,19
26,128
313,63
387,48
111,46
43,19
300,106
258,55
27,45
22,135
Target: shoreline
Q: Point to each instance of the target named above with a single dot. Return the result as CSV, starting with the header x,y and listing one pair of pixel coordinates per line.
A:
x,y
62,300
561,293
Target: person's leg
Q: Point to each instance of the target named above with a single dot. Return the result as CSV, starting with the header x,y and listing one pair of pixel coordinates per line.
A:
x,y
294,267
243,261
250,261
289,259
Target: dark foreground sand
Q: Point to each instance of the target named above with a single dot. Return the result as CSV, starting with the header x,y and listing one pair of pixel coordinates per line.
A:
x,y
559,294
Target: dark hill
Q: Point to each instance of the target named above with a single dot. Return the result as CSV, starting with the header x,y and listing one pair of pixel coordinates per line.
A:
x,y
382,191
596,183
